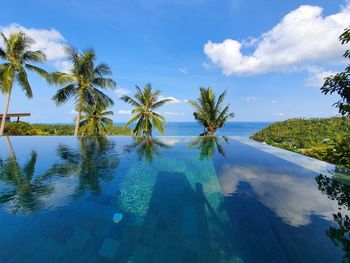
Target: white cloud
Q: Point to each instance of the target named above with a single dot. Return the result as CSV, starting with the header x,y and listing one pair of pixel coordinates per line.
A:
x,y
172,113
249,99
63,65
49,41
302,36
127,112
72,112
121,91
317,76
174,100
183,71
279,114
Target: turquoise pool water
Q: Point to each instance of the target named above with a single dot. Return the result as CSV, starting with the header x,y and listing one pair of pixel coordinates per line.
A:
x,y
169,199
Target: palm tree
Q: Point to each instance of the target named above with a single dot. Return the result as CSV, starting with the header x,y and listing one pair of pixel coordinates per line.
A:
x,y
83,82
18,57
94,120
209,112
145,102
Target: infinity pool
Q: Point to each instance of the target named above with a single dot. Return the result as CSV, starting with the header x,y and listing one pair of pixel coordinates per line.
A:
x,y
168,199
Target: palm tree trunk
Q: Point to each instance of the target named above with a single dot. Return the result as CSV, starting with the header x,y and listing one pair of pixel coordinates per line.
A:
x,y
77,122
3,121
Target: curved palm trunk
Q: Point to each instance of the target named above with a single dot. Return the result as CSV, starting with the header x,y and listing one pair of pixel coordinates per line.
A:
x,y
3,121
77,122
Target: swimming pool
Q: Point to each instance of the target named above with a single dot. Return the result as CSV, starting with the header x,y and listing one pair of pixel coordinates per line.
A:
x,y
168,199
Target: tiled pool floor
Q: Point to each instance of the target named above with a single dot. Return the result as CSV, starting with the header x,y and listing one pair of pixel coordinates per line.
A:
x,y
182,199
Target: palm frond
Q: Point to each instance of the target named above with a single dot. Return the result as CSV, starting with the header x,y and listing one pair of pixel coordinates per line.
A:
x,y
130,101
64,94
22,79
34,56
37,70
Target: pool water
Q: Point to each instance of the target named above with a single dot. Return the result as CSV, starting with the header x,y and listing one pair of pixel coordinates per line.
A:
x,y
168,199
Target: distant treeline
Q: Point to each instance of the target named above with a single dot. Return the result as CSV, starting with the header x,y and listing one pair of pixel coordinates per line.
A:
x,y
326,139
26,129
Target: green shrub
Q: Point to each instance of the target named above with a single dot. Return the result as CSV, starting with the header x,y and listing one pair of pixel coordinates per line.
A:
x,y
326,139
19,128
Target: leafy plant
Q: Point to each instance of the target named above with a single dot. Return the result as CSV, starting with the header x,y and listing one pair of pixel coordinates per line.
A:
x,y
145,102
18,58
340,82
83,83
209,111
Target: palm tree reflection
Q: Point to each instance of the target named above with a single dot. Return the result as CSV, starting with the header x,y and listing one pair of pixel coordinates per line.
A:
x,y
92,162
207,145
338,188
25,190
146,147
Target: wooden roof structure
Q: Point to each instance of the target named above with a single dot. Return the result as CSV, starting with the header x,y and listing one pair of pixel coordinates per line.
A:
x,y
11,115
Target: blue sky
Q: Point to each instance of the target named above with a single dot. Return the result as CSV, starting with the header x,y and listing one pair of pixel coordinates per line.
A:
x,y
270,55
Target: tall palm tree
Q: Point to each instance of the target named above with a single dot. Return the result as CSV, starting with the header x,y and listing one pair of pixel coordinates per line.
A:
x,y
83,82
95,119
145,102
209,111
18,57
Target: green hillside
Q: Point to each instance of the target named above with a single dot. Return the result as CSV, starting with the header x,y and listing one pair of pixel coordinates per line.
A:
x,y
326,139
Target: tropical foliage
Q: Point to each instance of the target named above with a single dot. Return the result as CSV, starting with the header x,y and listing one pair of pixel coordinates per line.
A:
x,y
209,111
325,139
18,58
83,83
95,120
340,82
23,128
145,102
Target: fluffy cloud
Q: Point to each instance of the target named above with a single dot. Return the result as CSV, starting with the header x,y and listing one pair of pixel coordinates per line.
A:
x,y
50,41
121,91
174,100
127,112
249,99
302,36
317,76
172,113
183,71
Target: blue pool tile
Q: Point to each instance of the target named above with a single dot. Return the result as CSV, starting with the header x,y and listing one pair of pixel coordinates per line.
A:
x,y
189,221
109,248
62,235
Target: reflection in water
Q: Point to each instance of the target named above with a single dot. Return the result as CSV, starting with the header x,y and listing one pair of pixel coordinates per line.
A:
x,y
92,162
335,189
146,147
25,191
207,145
292,198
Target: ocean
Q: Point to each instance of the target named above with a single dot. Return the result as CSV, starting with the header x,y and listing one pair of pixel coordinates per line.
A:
x,y
243,129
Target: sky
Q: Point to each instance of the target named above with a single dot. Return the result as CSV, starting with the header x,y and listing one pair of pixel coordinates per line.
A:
x,y
271,56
